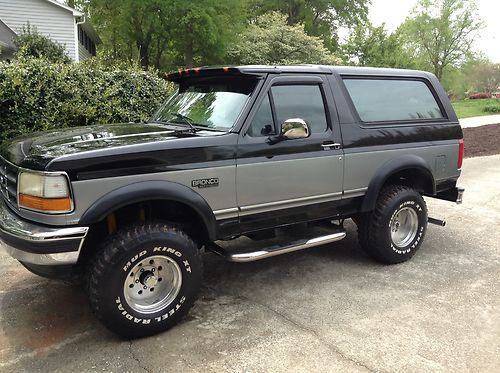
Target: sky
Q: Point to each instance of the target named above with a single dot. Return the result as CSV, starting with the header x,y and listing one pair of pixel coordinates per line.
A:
x,y
394,12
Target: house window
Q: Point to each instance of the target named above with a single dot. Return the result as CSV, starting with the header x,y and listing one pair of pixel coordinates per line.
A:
x,y
86,41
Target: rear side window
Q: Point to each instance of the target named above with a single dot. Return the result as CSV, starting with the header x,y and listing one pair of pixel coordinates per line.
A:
x,y
384,100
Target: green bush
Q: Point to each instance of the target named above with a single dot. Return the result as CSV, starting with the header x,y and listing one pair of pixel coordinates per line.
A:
x,y
492,108
36,94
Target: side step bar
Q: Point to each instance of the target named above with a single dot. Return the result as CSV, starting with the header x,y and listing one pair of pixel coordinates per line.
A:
x,y
252,256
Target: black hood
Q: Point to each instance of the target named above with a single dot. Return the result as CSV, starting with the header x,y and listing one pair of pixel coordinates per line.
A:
x,y
39,150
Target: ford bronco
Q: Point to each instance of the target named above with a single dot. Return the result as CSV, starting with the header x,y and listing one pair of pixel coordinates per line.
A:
x,y
280,154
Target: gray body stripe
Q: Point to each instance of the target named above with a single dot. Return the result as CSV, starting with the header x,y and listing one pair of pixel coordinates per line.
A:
x,y
296,202
278,205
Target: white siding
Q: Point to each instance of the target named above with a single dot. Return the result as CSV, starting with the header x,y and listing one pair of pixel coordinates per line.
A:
x,y
49,19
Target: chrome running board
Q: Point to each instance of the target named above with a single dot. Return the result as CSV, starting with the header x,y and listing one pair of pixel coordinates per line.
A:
x,y
244,257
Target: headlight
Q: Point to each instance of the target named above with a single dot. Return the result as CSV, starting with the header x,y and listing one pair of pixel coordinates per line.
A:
x,y
44,193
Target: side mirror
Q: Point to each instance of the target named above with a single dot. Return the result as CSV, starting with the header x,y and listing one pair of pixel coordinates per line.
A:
x,y
295,128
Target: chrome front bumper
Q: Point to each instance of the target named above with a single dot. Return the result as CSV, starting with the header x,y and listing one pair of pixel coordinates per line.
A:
x,y
37,244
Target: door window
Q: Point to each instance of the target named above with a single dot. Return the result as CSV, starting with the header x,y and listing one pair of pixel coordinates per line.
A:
x,y
300,101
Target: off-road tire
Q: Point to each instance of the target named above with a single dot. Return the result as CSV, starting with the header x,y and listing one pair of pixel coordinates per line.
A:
x,y
374,228
115,262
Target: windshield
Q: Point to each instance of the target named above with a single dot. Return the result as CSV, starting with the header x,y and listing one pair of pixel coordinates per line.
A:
x,y
209,102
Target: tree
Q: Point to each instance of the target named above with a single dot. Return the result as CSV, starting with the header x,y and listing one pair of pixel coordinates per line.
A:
x,y
321,18
166,33
131,29
270,40
203,29
485,77
457,80
442,32
368,45
31,44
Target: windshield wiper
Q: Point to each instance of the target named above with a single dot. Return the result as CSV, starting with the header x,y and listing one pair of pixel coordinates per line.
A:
x,y
186,120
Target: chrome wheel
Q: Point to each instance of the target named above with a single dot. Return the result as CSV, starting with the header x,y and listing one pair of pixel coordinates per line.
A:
x,y
404,227
152,284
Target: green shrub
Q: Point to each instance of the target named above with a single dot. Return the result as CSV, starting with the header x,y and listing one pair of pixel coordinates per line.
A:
x,y
31,44
36,94
492,108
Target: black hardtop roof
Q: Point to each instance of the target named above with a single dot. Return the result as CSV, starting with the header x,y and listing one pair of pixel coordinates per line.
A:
x,y
297,69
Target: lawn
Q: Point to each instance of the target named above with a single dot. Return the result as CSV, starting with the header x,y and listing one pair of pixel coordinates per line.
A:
x,y
473,108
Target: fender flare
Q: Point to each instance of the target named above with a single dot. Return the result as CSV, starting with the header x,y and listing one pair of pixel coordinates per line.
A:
x,y
147,191
390,168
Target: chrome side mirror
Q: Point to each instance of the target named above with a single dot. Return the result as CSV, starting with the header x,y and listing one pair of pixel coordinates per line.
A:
x,y
295,128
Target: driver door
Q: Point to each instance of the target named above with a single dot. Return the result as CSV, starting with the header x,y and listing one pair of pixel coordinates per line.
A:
x,y
291,180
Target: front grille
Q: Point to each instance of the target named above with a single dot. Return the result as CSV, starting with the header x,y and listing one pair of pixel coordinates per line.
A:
x,y
8,181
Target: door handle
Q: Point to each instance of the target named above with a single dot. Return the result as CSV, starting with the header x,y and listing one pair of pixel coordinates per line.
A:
x,y
331,146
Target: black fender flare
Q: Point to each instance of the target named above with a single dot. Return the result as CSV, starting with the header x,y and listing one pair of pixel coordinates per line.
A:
x,y
392,167
147,191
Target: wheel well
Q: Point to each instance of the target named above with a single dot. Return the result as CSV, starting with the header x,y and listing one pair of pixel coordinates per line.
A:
x,y
418,179
175,212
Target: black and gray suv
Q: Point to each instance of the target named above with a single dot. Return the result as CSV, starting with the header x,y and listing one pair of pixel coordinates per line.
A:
x,y
281,155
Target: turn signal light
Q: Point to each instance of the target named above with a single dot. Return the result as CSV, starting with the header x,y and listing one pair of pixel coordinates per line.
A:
x,y
45,204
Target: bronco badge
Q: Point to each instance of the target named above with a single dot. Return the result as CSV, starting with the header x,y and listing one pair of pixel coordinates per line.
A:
x,y
205,183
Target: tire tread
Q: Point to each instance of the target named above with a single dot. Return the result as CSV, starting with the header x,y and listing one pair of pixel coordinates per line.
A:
x,y
371,224
108,254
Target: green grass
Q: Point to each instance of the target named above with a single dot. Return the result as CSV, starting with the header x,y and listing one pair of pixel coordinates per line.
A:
x,y
473,108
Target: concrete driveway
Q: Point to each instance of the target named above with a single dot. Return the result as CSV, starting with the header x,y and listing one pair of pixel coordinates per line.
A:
x,y
324,309
480,121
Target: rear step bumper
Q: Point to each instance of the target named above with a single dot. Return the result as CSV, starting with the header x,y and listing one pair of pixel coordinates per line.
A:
x,y
435,221
243,257
455,194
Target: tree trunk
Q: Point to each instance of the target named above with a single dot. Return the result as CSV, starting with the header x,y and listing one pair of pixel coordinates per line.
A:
x,y
159,52
188,55
114,46
144,55
439,71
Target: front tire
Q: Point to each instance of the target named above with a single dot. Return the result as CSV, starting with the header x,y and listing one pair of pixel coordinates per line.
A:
x,y
144,279
393,232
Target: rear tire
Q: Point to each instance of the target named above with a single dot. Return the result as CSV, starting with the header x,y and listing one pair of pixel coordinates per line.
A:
x,y
393,232
144,279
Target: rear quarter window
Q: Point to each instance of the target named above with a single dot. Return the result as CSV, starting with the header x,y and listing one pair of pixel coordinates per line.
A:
x,y
389,100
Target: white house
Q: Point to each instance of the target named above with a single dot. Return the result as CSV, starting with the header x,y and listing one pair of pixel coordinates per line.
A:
x,y
57,21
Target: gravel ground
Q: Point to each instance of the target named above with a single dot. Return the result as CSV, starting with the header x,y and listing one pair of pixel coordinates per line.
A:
x,y
484,140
